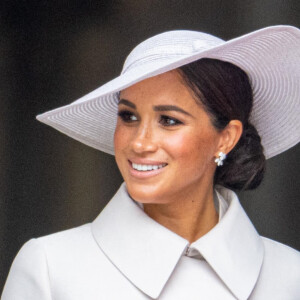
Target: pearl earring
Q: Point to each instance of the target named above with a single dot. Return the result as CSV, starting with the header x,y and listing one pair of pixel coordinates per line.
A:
x,y
220,159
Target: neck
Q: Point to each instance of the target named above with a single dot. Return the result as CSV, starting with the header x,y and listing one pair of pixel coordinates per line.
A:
x,y
190,216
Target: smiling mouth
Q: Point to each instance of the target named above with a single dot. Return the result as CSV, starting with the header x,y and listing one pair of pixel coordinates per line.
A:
x,y
147,168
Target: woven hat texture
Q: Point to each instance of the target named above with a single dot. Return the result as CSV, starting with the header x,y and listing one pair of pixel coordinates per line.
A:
x,y
270,57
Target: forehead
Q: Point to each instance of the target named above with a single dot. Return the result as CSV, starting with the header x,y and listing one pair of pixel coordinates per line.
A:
x,y
165,88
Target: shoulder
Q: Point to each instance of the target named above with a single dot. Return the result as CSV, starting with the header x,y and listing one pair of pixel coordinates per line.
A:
x,y
38,258
280,272
63,248
37,248
57,244
71,238
281,257
277,248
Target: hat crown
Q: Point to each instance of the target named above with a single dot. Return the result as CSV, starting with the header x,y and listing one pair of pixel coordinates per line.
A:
x,y
169,45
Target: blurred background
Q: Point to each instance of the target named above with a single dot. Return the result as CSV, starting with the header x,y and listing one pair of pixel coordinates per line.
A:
x,y
53,52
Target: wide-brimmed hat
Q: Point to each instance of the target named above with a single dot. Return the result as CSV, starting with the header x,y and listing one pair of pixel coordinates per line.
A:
x,y
270,57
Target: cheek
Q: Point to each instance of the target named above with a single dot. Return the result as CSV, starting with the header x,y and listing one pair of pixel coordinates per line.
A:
x,y
178,146
120,142
190,146
120,138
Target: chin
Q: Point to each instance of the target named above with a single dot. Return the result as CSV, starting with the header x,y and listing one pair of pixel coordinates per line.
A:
x,y
144,193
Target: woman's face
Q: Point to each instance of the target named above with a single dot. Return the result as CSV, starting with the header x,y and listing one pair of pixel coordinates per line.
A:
x,y
165,143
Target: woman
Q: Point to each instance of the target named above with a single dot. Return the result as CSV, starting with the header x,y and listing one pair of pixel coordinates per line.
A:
x,y
196,117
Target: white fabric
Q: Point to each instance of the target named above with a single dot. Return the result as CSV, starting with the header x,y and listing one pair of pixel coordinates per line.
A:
x,y
270,57
124,254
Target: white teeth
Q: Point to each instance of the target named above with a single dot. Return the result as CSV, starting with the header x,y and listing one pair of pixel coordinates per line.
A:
x,y
147,167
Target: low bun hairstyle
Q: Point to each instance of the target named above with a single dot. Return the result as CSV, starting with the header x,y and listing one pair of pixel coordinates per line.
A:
x,y
224,91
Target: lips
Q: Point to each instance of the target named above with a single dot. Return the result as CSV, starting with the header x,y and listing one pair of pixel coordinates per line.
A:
x,y
147,167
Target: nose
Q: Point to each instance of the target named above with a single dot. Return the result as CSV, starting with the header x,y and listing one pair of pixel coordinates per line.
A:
x,y
143,140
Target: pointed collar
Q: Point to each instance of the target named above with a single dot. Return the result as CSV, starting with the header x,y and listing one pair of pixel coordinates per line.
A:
x,y
147,253
143,250
233,248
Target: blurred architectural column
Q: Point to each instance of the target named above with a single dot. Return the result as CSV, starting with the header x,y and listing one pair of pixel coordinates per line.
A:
x,y
6,60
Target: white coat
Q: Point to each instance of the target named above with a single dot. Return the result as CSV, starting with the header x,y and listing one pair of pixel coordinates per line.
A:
x,y
124,254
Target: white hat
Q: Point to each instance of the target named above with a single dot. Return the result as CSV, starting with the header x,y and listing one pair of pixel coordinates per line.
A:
x,y
270,57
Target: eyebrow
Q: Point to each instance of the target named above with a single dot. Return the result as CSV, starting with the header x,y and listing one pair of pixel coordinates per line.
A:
x,y
156,107
127,103
170,108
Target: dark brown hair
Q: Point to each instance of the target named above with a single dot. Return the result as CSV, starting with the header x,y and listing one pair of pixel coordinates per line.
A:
x,y
224,91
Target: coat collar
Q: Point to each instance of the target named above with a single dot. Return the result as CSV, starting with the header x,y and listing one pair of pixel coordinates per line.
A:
x,y
232,248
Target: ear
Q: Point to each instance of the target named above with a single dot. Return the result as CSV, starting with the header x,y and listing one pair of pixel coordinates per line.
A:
x,y
230,136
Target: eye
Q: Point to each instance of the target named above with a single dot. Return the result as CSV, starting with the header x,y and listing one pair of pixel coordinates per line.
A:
x,y
169,121
127,116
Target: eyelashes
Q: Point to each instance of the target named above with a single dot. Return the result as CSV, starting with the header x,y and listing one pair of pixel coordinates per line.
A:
x,y
164,120
127,116
169,121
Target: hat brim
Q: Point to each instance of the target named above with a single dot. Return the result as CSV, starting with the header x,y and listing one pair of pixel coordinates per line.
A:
x,y
269,56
